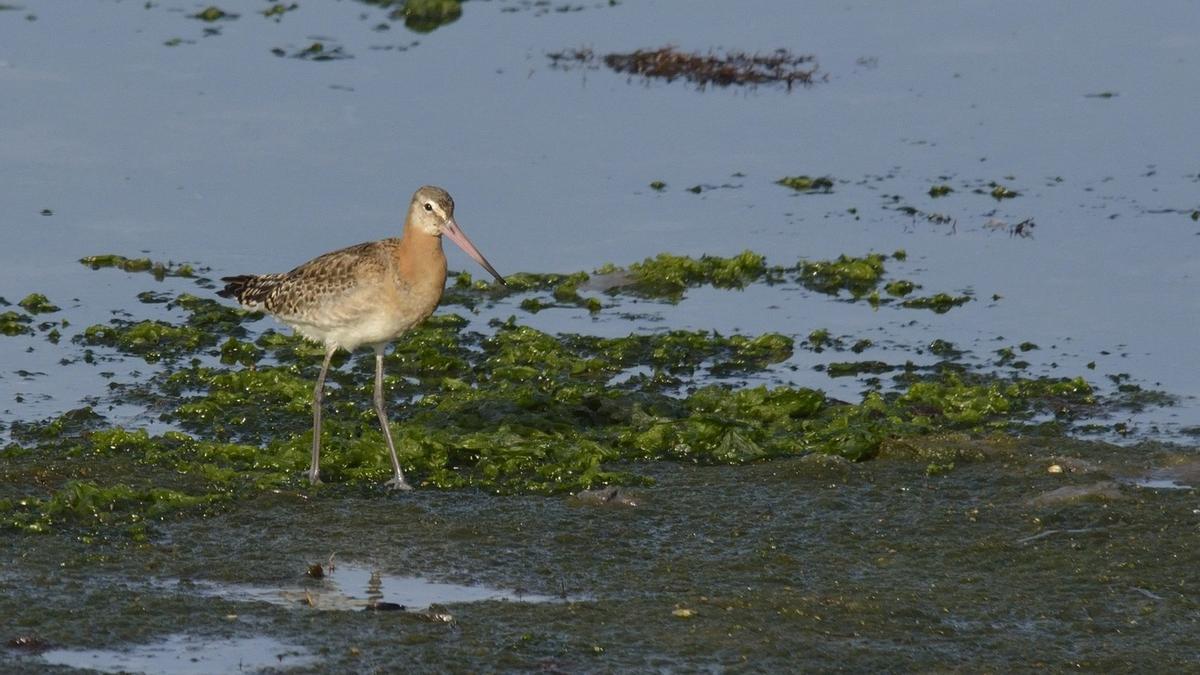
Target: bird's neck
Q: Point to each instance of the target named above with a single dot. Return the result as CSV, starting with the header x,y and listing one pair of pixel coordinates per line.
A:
x,y
419,259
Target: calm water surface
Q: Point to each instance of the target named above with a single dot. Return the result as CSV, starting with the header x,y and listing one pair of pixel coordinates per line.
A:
x,y
217,151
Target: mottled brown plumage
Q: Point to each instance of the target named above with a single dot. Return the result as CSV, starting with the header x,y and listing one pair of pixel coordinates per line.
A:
x,y
368,294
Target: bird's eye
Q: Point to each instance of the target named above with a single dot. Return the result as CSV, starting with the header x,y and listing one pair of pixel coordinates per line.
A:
x,y
428,206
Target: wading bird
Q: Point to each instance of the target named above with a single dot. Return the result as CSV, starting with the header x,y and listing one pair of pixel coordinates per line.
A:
x,y
369,294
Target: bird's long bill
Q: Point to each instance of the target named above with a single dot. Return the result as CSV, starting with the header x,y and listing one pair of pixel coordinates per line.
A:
x,y
452,230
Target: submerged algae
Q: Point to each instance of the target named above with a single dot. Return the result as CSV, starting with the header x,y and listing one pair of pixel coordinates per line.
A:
x,y
87,503
36,303
158,340
939,303
160,270
213,13
807,183
424,16
151,340
15,323
856,275
516,410
1000,192
668,276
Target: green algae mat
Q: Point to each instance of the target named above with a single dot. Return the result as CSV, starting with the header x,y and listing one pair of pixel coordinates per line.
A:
x,y
667,508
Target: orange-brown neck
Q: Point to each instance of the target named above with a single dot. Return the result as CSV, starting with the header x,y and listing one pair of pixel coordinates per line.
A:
x,y
420,262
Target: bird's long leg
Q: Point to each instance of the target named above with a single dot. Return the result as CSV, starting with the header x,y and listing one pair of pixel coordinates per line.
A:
x,y
314,470
397,482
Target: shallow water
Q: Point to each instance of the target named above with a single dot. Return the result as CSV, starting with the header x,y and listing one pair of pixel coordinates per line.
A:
x,y
186,655
351,586
218,152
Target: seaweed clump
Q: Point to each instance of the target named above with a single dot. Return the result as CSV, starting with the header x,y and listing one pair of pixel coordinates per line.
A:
x,y
36,303
213,13
15,323
160,270
425,16
857,275
421,16
511,409
669,275
804,183
519,411
731,68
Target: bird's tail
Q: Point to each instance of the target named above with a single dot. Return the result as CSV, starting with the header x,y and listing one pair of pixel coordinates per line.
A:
x,y
250,290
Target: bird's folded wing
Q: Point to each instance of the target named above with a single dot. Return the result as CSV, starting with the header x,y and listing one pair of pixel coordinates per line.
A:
x,y
330,288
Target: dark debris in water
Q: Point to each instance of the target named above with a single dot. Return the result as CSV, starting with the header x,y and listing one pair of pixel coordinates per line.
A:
x,y
383,606
1022,229
1000,192
31,644
544,7
716,69
940,303
315,51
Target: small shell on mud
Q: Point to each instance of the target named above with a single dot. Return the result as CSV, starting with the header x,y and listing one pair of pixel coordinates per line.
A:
x,y
1055,468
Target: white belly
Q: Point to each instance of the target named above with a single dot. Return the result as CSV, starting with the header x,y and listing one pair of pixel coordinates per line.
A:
x,y
375,328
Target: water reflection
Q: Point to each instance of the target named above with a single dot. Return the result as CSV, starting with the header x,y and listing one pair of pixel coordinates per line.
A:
x,y
349,586
187,655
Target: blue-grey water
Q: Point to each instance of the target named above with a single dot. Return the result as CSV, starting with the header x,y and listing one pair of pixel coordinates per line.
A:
x,y
215,150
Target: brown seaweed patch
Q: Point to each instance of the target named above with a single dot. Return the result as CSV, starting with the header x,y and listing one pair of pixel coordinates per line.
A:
x,y
720,69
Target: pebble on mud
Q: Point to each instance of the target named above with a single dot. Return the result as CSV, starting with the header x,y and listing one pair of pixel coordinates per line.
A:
x,y
1072,465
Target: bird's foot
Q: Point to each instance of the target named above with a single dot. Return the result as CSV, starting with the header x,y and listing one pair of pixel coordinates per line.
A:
x,y
313,477
398,483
